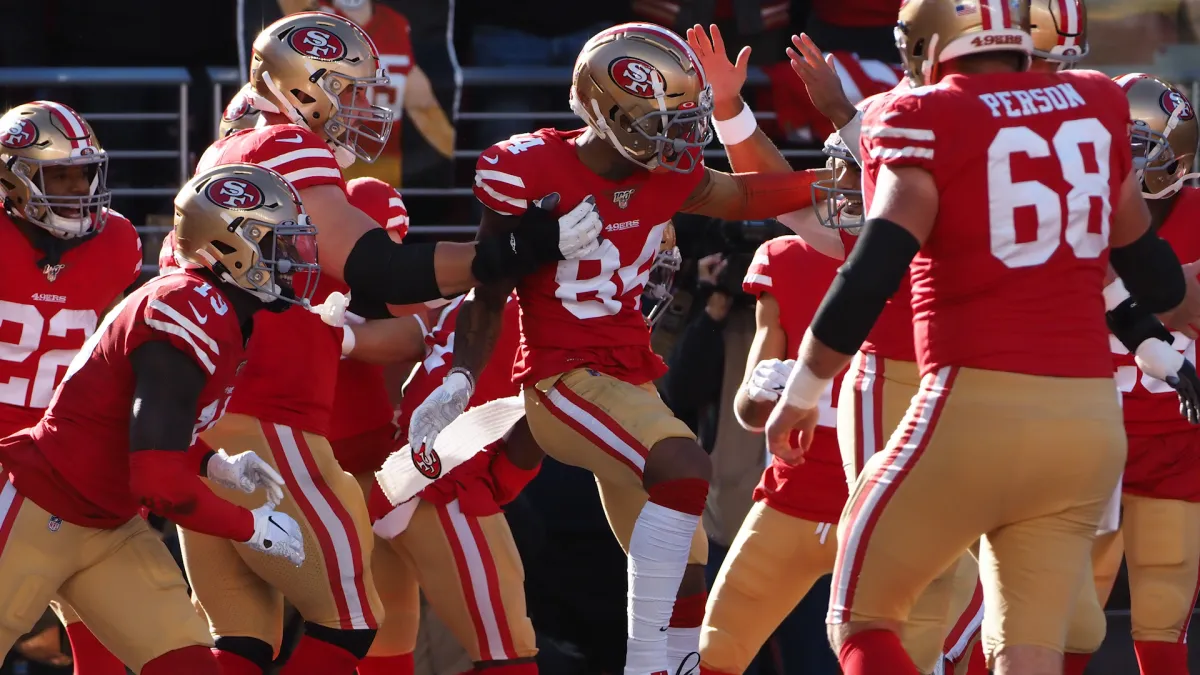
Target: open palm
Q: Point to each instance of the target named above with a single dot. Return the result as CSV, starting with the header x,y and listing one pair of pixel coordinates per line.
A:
x,y
725,77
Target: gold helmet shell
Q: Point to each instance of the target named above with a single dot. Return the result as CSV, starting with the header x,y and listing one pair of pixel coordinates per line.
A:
x,y
931,32
240,113
640,87
1059,30
43,134
246,223
318,70
1164,134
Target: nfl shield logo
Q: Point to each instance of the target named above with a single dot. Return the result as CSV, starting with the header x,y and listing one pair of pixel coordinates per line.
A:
x,y
621,197
54,524
52,271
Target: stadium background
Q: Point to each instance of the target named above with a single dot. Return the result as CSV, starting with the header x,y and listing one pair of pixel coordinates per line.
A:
x,y
153,76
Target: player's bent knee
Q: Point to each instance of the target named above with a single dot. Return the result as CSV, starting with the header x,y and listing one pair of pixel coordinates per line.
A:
x,y
722,652
1162,612
1087,628
252,649
838,633
676,458
356,642
1026,660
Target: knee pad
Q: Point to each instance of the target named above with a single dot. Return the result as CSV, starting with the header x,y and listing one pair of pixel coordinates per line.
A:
x,y
357,642
253,650
1161,610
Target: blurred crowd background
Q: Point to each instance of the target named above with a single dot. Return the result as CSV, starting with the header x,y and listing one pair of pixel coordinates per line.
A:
x,y
152,77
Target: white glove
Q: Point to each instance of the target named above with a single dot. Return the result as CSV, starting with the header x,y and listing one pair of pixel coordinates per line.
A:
x,y
246,472
579,229
277,534
440,408
768,380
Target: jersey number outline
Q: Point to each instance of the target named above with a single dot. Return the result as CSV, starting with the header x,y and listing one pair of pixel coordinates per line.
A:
x,y
1128,377
1005,196
17,391
603,295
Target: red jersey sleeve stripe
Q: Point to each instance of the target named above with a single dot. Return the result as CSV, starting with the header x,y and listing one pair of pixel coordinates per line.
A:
x,y
909,134
493,198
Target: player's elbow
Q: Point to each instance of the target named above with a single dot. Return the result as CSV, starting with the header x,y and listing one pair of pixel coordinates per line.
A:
x,y
1151,272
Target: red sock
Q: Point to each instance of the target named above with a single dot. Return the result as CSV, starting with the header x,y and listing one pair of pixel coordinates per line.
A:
x,y
232,664
316,657
387,665
1161,658
194,660
875,652
1075,664
977,665
90,656
689,610
705,670
687,495
527,668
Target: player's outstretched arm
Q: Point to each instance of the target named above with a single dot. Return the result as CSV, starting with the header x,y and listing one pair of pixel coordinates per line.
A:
x,y
767,367
385,341
381,272
752,196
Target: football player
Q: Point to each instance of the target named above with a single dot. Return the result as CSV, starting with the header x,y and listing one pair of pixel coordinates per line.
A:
x,y
1160,511
310,77
68,259
1007,329
118,430
585,359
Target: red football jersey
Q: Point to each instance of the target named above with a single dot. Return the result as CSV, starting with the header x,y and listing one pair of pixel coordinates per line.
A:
x,y
292,362
857,13
75,462
584,313
493,383
1028,167
47,311
390,32
797,276
361,403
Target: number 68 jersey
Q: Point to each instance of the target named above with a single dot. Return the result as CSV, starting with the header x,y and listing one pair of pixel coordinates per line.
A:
x,y
584,313
47,311
1028,168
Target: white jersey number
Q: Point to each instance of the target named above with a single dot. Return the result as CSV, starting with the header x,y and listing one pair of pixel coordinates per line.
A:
x,y
1089,191
602,294
16,391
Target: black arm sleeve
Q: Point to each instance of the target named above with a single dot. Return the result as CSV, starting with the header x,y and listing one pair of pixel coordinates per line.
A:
x,y
167,389
1151,273
381,271
1134,324
870,276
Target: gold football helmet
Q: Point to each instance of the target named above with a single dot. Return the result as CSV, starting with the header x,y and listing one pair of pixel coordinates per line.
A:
x,y
642,88
1164,134
35,139
931,32
660,280
1059,29
838,200
240,113
246,224
318,70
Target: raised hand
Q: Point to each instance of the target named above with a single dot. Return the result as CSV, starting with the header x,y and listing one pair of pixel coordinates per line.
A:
x,y
726,78
821,80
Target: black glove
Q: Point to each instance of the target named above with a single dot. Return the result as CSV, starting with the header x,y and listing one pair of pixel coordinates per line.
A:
x,y
1187,385
540,237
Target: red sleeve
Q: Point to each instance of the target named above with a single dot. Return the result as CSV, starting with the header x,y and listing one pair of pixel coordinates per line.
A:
x,y
758,276
899,131
502,172
129,245
163,480
189,320
380,201
298,154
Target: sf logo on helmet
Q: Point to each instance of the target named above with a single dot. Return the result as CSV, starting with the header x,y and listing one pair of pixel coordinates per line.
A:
x,y
1172,100
318,44
635,76
21,134
234,193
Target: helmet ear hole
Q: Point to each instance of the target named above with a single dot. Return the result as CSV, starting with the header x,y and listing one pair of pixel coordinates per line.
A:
x,y
303,97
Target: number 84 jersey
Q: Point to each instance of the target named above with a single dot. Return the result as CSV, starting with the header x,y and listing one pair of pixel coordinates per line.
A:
x,y
1028,169
584,313
48,310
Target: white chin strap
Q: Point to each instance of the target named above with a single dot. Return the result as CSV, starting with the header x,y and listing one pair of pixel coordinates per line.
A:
x,y
595,119
343,155
1171,189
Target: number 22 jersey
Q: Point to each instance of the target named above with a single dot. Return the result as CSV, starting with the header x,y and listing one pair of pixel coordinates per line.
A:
x,y
584,313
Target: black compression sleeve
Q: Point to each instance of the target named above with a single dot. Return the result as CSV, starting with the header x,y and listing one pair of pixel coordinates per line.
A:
x,y
397,274
1133,324
870,276
1151,272
368,306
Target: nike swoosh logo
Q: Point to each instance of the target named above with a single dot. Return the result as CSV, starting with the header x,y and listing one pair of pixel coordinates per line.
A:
x,y
201,318
295,139
491,160
271,520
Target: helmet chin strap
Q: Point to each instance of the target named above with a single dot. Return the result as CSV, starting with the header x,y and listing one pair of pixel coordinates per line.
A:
x,y
1171,189
595,120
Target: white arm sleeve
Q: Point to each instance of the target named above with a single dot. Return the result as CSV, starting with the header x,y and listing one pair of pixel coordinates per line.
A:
x,y
849,135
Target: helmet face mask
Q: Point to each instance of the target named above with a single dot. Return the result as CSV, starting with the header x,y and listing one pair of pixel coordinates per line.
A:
x,y
319,70
246,224
53,172
838,200
660,284
641,88
1163,134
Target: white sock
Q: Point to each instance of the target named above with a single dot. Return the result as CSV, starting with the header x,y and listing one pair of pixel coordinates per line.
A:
x,y
658,555
681,644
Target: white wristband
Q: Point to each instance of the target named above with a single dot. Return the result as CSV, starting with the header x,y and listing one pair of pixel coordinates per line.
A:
x,y
1158,359
1114,294
347,340
738,129
849,135
803,388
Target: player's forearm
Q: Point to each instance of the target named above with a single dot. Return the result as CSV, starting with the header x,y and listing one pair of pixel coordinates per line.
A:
x,y
166,483
753,154
805,224
478,327
384,341
752,196
751,415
